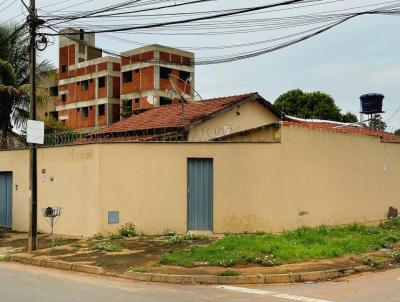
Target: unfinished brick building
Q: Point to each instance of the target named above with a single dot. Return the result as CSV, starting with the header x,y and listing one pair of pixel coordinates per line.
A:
x,y
92,88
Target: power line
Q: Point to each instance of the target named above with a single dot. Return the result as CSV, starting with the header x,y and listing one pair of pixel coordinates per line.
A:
x,y
238,12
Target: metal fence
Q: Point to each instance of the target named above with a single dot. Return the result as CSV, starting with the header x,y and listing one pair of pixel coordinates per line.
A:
x,y
176,135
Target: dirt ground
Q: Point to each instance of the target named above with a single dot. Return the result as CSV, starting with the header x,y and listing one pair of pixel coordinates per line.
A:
x,y
144,252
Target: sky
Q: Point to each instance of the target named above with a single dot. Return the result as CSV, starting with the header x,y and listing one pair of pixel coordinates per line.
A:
x,y
359,56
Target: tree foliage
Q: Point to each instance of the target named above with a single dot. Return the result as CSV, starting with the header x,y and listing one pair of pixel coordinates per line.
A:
x,y
397,132
126,108
377,123
312,105
14,78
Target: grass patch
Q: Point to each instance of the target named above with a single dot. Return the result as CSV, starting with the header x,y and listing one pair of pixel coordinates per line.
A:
x,y
301,245
77,245
107,246
229,273
178,238
58,242
138,269
5,258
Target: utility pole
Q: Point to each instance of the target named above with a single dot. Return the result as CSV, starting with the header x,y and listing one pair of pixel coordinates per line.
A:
x,y
32,241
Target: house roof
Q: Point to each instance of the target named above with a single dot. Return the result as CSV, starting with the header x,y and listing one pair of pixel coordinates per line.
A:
x,y
170,116
342,128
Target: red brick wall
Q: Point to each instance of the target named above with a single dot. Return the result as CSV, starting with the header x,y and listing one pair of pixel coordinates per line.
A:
x,y
63,60
164,57
115,113
116,87
102,119
102,66
147,78
71,54
76,120
116,67
102,92
85,95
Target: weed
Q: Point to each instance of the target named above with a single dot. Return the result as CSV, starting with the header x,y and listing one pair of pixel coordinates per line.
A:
x,y
391,224
5,258
97,236
395,254
128,230
78,245
229,272
116,236
107,246
258,232
369,261
169,233
138,269
57,242
189,236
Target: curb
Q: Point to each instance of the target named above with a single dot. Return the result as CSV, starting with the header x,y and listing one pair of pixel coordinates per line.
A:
x,y
313,276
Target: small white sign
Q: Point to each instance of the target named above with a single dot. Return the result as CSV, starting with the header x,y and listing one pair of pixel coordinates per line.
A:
x,y
35,132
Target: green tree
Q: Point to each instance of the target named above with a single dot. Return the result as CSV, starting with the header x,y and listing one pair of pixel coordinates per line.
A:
x,y
377,123
312,105
126,110
397,132
349,118
14,78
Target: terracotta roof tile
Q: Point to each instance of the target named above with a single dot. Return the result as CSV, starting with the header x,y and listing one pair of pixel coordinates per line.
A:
x,y
329,126
170,116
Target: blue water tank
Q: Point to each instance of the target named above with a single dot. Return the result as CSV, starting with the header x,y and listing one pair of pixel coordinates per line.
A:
x,y
371,103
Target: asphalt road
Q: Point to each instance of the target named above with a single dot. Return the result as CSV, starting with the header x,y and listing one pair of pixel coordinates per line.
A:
x,y
20,283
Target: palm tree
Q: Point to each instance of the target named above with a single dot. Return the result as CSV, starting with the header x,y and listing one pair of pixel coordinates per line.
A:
x,y
14,78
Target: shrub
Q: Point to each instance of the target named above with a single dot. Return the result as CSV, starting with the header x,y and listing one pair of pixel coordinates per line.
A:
x,y
107,246
128,230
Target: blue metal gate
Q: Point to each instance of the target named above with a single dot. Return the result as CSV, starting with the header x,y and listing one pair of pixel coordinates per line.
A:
x,y
200,194
5,199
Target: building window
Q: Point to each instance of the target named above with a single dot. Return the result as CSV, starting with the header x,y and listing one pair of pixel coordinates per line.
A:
x,y
184,75
165,72
53,91
63,68
165,101
137,100
84,85
101,109
101,82
85,112
63,97
127,76
80,60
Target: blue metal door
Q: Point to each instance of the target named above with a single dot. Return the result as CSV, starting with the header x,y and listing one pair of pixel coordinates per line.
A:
x,y
5,199
200,194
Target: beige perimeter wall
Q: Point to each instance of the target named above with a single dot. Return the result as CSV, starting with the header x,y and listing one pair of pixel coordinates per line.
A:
x,y
311,178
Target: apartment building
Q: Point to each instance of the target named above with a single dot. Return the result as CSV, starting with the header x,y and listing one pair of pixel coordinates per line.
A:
x,y
156,75
92,89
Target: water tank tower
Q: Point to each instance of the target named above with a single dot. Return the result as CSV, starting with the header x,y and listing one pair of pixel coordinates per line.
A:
x,y
371,105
